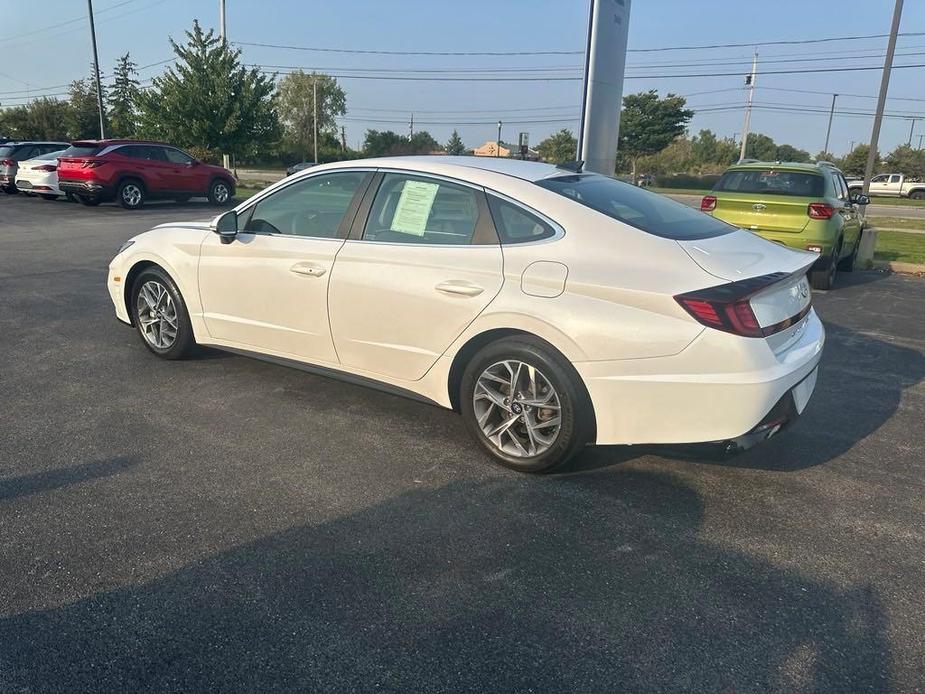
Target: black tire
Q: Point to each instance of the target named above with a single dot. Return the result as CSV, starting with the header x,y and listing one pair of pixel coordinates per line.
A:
x,y
70,197
847,264
917,195
88,201
131,194
576,427
10,190
824,278
220,192
183,342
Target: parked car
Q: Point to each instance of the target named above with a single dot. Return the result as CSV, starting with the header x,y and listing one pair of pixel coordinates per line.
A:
x,y
133,171
892,185
301,166
804,206
14,152
39,176
551,308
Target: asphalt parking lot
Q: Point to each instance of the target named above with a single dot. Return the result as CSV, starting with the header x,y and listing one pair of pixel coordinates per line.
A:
x,y
223,524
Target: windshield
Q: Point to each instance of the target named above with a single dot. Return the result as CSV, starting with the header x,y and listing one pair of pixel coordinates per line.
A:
x,y
797,183
650,212
79,151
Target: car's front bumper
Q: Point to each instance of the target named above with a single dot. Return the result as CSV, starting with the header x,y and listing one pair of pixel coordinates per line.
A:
x,y
719,388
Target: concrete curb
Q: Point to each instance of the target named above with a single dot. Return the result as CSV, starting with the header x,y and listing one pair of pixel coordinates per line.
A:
x,y
895,266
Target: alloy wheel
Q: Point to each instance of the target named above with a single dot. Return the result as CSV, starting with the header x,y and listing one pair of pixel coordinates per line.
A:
x,y
517,408
220,192
131,194
157,315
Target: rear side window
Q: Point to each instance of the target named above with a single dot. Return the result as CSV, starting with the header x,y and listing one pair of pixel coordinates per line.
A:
x,y
797,183
80,151
515,224
650,212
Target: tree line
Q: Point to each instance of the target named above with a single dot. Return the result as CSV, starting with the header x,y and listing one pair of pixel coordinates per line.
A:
x,y
210,103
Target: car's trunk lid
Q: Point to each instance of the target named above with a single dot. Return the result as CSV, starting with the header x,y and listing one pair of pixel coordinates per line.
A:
x,y
757,212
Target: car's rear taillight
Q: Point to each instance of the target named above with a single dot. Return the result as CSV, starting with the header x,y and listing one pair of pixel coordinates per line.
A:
x,y
820,210
7,162
726,307
708,203
92,163
45,167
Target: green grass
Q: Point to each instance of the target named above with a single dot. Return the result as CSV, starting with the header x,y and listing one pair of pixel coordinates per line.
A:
x,y
900,246
244,192
911,224
897,202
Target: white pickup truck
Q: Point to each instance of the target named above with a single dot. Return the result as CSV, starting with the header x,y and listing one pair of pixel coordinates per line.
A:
x,y
893,185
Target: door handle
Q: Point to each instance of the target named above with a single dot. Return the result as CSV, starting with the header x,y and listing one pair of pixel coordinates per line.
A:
x,y
459,287
308,269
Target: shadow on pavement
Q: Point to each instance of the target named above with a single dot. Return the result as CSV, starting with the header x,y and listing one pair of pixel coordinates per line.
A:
x,y
594,582
14,487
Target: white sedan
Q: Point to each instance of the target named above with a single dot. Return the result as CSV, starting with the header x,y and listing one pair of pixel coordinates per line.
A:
x,y
39,176
551,308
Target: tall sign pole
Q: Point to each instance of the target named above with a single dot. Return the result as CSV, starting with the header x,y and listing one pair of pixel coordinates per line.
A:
x,y
602,97
881,99
750,83
96,68
828,131
226,159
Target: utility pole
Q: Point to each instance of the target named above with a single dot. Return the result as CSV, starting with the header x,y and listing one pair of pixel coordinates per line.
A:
x,y
96,68
343,139
498,143
828,131
750,83
881,99
911,128
221,19
411,127
921,135
315,115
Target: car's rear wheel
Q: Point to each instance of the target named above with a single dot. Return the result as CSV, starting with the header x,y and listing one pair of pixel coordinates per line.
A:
x,y
525,405
824,278
131,194
219,192
160,315
10,190
917,195
88,201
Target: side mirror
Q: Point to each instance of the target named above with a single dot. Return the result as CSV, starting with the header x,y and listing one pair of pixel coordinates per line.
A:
x,y
860,199
226,226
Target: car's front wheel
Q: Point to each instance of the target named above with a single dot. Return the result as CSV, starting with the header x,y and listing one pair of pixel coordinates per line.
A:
x,y
219,192
9,190
160,315
525,405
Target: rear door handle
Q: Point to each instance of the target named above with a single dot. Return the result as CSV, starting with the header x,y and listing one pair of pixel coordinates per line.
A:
x,y
459,287
309,269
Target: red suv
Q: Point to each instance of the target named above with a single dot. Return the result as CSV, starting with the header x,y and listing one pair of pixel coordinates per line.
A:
x,y
132,171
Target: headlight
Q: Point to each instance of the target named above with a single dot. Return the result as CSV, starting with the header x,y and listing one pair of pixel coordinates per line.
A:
x,y
124,246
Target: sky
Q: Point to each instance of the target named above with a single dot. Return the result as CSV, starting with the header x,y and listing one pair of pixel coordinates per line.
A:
x,y
47,44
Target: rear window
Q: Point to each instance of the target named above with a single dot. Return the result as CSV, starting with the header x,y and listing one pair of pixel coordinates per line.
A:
x,y
797,183
80,151
50,155
650,212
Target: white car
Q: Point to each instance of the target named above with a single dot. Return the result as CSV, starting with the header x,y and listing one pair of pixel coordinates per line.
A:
x,y
39,176
552,308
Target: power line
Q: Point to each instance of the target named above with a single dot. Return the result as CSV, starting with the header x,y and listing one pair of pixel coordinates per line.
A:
x,y
358,51
751,44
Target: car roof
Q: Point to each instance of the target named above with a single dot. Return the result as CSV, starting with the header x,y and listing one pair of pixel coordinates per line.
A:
x,y
462,165
116,141
817,167
18,143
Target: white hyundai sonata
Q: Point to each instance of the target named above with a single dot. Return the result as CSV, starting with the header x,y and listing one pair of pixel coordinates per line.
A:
x,y
551,308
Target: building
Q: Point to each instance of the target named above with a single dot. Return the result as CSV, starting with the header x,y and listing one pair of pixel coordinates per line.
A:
x,y
490,149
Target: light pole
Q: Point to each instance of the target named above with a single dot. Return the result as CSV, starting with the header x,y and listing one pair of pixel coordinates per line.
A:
x,y
881,99
828,131
750,81
911,128
315,115
96,68
221,19
498,143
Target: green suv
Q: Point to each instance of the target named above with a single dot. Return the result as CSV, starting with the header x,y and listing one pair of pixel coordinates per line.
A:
x,y
805,206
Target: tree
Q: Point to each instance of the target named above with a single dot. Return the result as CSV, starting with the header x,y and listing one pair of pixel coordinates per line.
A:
x,y
906,160
760,147
84,116
675,158
210,101
558,147
123,96
385,143
791,153
709,152
649,124
422,142
295,104
855,161
41,119
455,145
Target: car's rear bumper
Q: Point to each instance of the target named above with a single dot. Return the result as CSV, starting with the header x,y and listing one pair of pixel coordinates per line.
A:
x,y
93,189
720,388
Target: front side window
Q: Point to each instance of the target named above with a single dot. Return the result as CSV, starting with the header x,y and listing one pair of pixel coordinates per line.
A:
x,y
638,207
314,207
175,156
882,178
515,224
417,209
